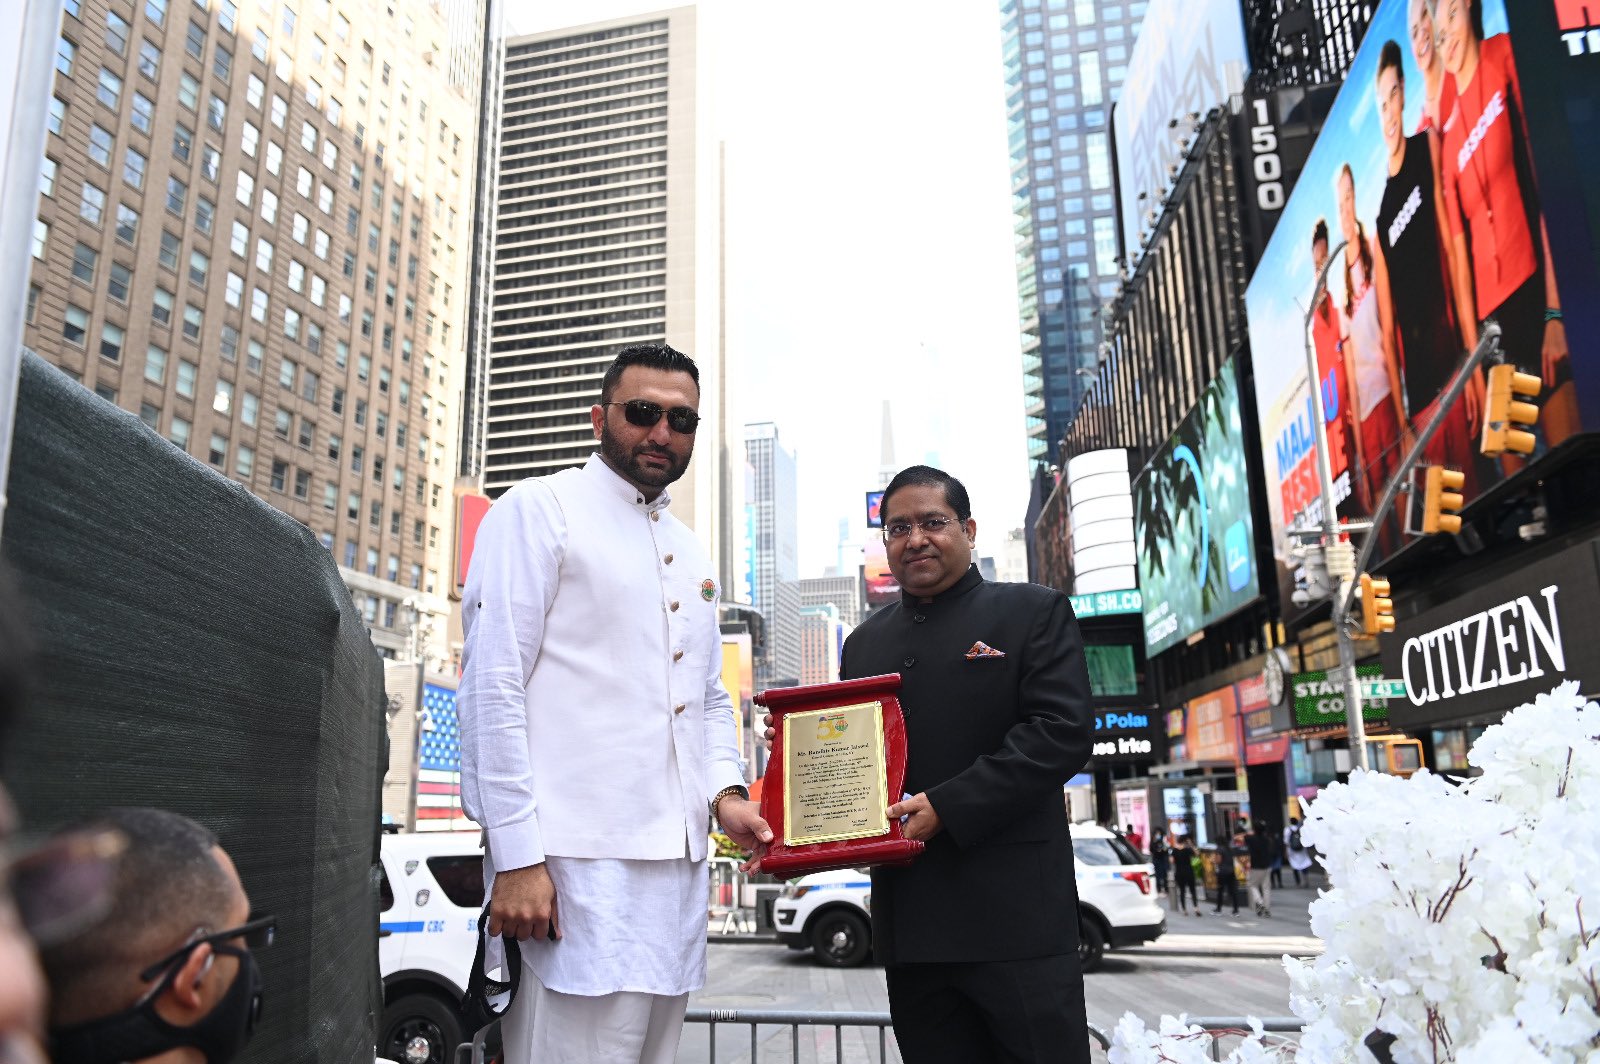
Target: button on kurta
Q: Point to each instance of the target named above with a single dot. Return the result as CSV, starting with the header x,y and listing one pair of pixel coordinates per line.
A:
x,y
677,655
680,707
909,662
674,605
918,617
655,515
667,559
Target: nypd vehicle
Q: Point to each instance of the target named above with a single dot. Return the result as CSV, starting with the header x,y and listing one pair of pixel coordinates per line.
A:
x,y
431,895
829,912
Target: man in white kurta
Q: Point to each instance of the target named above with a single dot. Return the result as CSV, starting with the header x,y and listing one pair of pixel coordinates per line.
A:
x,y
596,730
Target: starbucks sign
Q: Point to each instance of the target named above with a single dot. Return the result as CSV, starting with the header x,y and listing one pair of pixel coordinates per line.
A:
x,y
1320,701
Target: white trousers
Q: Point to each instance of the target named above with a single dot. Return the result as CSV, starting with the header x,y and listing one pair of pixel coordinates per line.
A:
x,y
547,1027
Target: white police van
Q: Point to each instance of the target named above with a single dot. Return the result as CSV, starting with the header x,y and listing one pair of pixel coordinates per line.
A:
x,y
431,896
829,912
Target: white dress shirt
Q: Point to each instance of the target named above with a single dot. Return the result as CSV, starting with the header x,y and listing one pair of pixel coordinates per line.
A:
x,y
594,723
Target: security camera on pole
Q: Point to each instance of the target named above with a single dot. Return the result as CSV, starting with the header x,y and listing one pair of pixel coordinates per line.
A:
x,y
1504,412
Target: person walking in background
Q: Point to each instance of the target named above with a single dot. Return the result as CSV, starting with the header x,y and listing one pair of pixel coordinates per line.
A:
x,y
1159,856
1227,875
1259,846
1276,879
1135,839
1183,875
1299,856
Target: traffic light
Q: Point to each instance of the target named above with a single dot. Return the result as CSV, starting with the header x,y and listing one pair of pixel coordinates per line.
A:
x,y
1503,411
1442,500
1377,608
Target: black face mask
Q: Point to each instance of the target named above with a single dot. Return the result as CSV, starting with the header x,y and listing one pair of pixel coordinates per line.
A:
x,y
137,1033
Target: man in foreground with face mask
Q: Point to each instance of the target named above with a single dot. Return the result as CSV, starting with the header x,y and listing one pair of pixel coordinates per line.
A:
x,y
167,974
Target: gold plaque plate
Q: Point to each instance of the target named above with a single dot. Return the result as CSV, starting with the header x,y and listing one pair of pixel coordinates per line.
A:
x,y
834,774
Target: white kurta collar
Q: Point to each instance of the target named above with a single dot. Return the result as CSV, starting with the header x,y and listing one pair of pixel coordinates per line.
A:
x,y
615,483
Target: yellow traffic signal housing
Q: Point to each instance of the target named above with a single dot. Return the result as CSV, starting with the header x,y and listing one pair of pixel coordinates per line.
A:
x,y
1377,608
1504,411
1442,500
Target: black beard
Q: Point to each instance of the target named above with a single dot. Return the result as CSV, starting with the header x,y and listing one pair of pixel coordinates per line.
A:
x,y
627,463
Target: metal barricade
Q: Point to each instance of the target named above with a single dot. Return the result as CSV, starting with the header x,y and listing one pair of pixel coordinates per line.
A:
x,y
1220,1027
725,910
794,1020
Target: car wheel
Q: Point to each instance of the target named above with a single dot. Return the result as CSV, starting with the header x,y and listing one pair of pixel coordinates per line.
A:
x,y
840,939
1091,944
419,1029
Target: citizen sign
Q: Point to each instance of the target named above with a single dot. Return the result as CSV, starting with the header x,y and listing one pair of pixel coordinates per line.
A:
x,y
1498,644
1505,644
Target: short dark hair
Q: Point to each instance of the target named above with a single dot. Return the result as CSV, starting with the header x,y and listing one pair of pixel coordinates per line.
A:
x,y
1389,57
650,356
168,882
1319,232
955,493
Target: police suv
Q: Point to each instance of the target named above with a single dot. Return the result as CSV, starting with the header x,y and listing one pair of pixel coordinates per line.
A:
x,y
828,912
431,895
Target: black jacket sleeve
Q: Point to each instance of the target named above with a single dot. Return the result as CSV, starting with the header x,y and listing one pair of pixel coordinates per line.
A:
x,y
1048,744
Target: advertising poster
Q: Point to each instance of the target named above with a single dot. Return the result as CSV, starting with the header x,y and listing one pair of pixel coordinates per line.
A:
x,y
1133,811
1213,726
1191,512
874,509
1177,736
882,587
1427,173
1112,672
1319,701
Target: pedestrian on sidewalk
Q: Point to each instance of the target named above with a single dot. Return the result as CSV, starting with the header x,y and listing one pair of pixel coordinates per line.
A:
x,y
1159,847
1183,861
1259,845
596,734
1134,839
1227,874
1276,878
1299,856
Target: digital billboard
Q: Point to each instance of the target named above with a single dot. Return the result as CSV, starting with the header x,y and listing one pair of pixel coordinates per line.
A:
x,y
882,587
1189,58
1112,672
1431,173
1191,511
874,509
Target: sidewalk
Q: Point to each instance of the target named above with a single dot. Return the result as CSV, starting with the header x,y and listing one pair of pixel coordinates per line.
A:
x,y
1287,930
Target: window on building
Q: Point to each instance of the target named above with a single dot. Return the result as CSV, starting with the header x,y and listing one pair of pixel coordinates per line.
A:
x,y
193,321
109,92
188,374
101,144
112,337
119,280
75,325
150,414
222,401
179,433
189,91
249,409
1092,90
244,461
280,475
66,54
161,307
155,365
84,259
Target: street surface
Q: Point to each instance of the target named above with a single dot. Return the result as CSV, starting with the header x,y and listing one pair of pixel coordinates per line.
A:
x,y
1175,976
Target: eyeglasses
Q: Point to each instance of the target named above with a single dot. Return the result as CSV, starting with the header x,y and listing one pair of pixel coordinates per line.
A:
x,y
258,933
644,414
931,526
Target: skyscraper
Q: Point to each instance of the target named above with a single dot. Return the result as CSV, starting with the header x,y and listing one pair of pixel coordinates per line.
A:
x,y
253,233
1064,63
607,227
775,551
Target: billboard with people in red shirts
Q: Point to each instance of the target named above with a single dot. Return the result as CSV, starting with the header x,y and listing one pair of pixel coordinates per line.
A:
x,y
1438,197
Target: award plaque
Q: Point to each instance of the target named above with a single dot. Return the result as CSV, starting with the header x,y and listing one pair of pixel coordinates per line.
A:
x,y
838,763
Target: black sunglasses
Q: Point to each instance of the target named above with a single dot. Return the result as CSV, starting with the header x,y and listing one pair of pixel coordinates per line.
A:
x,y
258,933
644,414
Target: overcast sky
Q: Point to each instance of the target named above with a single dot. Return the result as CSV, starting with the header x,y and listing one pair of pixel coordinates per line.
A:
x,y
869,241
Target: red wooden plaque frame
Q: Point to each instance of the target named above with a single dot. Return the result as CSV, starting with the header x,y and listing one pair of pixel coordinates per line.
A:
x,y
890,848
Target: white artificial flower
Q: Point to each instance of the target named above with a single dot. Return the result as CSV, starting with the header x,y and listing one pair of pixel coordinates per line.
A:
x,y
1462,919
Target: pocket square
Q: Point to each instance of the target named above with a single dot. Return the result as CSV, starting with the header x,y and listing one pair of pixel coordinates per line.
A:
x,y
980,649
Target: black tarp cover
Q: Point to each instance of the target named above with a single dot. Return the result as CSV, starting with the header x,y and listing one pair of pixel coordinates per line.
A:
x,y
199,652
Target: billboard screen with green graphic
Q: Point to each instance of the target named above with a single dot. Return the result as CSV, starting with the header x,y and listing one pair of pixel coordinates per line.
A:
x,y
1191,513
